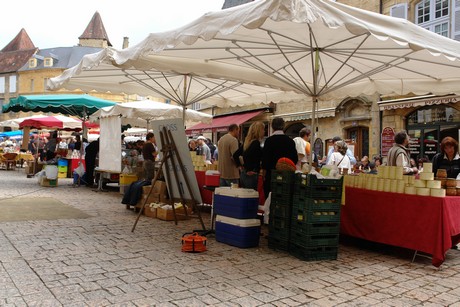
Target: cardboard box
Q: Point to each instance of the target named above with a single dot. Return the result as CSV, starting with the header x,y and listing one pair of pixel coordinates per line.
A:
x,y
30,168
150,212
153,198
45,182
168,214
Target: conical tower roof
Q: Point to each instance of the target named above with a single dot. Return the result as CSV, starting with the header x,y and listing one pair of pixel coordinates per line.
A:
x,y
22,41
96,30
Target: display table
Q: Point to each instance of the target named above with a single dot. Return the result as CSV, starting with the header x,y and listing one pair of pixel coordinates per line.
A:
x,y
421,223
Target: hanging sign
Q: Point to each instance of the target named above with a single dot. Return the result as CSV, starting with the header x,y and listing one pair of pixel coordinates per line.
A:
x,y
387,140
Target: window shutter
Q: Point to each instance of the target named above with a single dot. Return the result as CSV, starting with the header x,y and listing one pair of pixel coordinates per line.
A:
x,y
400,10
456,21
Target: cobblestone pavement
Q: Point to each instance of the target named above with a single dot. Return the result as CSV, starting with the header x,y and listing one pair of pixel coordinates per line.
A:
x,y
98,261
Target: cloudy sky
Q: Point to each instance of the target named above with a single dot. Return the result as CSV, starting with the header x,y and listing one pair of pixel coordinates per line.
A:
x,y
57,23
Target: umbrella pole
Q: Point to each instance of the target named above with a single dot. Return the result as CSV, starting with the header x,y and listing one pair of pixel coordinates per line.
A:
x,y
313,129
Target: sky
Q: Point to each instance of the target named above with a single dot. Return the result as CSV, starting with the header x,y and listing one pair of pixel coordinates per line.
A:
x,y
57,23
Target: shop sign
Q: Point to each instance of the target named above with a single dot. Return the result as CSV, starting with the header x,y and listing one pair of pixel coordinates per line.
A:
x,y
421,103
387,140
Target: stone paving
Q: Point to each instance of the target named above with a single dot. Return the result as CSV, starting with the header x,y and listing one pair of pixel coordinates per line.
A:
x,y
98,261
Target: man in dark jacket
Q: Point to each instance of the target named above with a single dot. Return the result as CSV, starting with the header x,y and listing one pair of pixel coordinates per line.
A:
x,y
91,153
277,146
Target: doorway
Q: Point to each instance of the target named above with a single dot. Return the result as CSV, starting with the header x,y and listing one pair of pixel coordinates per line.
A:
x,y
359,136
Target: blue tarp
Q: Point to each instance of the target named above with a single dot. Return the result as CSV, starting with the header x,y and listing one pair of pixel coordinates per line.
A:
x,y
11,133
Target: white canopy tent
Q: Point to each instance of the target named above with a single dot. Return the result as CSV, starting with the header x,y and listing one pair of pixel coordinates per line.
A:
x,y
136,113
183,81
141,113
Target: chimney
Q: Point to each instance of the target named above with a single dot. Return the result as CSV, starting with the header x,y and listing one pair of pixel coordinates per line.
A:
x,y
125,42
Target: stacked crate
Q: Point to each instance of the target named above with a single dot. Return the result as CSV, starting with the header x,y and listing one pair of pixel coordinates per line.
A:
x,y
315,223
280,210
62,168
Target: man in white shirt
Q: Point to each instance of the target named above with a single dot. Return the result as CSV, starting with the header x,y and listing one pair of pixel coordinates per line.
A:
x,y
301,143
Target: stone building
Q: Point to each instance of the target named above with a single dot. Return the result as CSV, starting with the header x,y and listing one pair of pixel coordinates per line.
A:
x,y
25,69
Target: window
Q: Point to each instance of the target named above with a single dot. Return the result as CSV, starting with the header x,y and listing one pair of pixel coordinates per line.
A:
x,y
12,84
32,63
45,82
433,15
399,10
2,85
442,29
48,62
32,85
196,106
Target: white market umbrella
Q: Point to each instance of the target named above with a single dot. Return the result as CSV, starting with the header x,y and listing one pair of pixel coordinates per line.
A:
x,y
14,123
182,81
141,113
321,49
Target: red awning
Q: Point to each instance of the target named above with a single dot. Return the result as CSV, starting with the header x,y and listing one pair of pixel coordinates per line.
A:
x,y
221,123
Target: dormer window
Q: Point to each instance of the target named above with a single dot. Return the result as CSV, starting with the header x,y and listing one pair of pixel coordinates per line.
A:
x,y
48,62
32,63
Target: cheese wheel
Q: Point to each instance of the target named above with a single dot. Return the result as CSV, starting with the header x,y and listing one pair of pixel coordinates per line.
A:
x,y
423,192
400,187
420,183
427,167
426,176
433,184
438,192
410,190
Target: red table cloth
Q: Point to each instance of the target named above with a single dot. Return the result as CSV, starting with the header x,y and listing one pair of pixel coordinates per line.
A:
x,y
422,223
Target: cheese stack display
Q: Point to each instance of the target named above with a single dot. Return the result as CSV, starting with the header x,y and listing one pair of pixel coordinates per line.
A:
x,y
236,216
279,226
199,162
315,223
391,179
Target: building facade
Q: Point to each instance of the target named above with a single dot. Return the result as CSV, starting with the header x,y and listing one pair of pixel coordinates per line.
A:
x,y
25,69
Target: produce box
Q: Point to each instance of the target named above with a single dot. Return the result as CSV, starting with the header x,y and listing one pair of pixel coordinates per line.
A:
x,y
127,179
166,214
150,212
45,182
309,186
238,232
236,203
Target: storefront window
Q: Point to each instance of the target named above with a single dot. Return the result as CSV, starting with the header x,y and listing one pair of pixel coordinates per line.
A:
x,y
434,114
428,126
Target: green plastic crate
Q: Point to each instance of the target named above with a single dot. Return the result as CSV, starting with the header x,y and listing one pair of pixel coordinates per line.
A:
x,y
280,210
308,186
278,243
314,240
313,253
316,211
279,227
314,228
286,177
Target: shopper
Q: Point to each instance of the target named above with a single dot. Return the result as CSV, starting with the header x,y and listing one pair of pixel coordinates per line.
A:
x,y
252,156
227,145
277,146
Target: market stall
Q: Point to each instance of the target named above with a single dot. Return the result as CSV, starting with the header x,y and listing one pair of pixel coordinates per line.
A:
x,y
421,223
